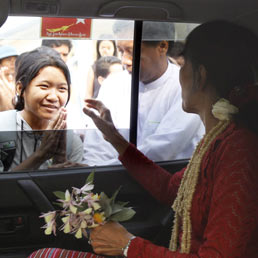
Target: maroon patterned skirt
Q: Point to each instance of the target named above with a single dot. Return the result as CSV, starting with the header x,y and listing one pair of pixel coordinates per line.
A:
x,y
61,253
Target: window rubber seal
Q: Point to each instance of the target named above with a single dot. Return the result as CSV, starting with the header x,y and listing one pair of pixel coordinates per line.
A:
x,y
135,81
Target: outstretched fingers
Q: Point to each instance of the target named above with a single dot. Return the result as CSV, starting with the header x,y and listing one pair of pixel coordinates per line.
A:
x,y
93,103
97,105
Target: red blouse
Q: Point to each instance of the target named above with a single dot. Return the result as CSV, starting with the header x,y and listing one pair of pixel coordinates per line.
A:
x,y
224,211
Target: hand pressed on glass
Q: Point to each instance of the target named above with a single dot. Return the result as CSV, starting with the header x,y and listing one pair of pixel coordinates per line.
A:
x,y
105,124
54,140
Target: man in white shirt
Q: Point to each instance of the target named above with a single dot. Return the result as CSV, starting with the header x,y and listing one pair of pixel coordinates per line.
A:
x,y
165,131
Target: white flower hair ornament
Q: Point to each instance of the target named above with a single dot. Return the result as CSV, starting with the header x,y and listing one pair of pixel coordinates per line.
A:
x,y
223,110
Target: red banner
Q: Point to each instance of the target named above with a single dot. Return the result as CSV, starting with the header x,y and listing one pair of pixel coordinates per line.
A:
x,y
65,28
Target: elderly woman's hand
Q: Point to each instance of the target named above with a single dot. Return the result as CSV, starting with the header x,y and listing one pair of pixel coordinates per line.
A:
x,y
105,124
109,239
104,120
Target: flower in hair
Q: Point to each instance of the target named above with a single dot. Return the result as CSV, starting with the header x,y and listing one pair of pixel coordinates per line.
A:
x,y
223,110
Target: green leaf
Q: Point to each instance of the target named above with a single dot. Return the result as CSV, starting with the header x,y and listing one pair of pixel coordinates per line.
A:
x,y
116,208
123,204
104,202
123,215
59,194
90,178
113,198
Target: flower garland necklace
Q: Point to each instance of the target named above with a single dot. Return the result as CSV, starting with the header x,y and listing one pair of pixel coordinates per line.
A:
x,y
222,110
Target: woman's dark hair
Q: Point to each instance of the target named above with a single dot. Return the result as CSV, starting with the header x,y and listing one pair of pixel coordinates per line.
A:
x,y
102,65
98,43
28,65
52,43
229,53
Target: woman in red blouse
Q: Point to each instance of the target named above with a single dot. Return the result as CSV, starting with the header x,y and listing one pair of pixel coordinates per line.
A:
x,y
215,198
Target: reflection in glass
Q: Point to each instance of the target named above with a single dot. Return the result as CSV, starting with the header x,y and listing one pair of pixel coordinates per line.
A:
x,y
28,147
115,89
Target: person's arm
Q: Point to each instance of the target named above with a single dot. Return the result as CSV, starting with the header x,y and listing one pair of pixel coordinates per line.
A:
x,y
157,181
231,229
137,164
90,84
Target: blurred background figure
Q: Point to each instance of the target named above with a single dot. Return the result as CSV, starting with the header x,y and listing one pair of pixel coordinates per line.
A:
x,y
106,66
8,57
104,47
63,47
175,53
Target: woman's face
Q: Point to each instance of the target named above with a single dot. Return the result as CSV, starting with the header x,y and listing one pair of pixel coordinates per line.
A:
x,y
189,93
106,48
45,94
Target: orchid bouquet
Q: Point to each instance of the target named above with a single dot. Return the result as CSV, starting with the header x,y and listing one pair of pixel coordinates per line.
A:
x,y
83,210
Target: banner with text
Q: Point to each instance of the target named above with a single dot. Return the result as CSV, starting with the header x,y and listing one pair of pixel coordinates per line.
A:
x,y
65,28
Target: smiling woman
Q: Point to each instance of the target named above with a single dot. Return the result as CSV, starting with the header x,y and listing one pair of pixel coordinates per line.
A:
x,y
43,90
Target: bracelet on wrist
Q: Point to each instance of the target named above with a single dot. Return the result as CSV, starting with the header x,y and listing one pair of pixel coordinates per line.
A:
x,y
125,249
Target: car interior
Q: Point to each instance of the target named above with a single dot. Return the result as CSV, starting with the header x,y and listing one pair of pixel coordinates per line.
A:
x,y
25,195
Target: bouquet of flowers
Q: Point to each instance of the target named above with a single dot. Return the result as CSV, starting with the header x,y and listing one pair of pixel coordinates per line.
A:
x,y
83,210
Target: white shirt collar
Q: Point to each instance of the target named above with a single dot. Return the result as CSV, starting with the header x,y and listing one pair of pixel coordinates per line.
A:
x,y
19,119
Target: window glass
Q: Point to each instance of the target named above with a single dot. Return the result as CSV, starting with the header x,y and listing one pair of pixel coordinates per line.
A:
x,y
165,131
99,57
28,139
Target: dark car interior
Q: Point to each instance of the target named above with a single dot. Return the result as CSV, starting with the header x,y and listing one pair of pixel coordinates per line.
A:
x,y
25,195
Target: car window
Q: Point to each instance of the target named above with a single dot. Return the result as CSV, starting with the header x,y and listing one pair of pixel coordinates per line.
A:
x,y
99,55
165,132
88,47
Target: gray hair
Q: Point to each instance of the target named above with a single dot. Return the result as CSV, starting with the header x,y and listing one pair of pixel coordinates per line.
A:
x,y
154,31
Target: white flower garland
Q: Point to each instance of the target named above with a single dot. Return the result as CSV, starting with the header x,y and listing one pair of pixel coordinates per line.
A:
x,y
223,110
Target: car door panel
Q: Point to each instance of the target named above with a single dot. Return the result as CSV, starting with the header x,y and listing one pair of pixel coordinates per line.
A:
x,y
26,195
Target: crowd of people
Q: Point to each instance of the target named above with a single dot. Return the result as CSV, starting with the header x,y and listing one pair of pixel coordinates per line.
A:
x,y
109,80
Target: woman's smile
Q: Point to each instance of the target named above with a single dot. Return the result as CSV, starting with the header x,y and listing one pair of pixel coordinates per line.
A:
x,y
50,108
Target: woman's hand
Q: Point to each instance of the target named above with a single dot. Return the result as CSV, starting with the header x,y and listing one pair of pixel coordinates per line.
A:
x,y
54,140
104,121
109,239
105,124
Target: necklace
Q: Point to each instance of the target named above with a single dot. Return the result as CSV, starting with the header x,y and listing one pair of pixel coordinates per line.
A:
x,y
183,201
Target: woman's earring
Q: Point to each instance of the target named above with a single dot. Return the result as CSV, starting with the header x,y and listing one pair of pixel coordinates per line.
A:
x,y
16,99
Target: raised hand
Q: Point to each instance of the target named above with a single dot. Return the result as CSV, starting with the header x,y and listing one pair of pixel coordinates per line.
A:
x,y
53,144
104,120
105,124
